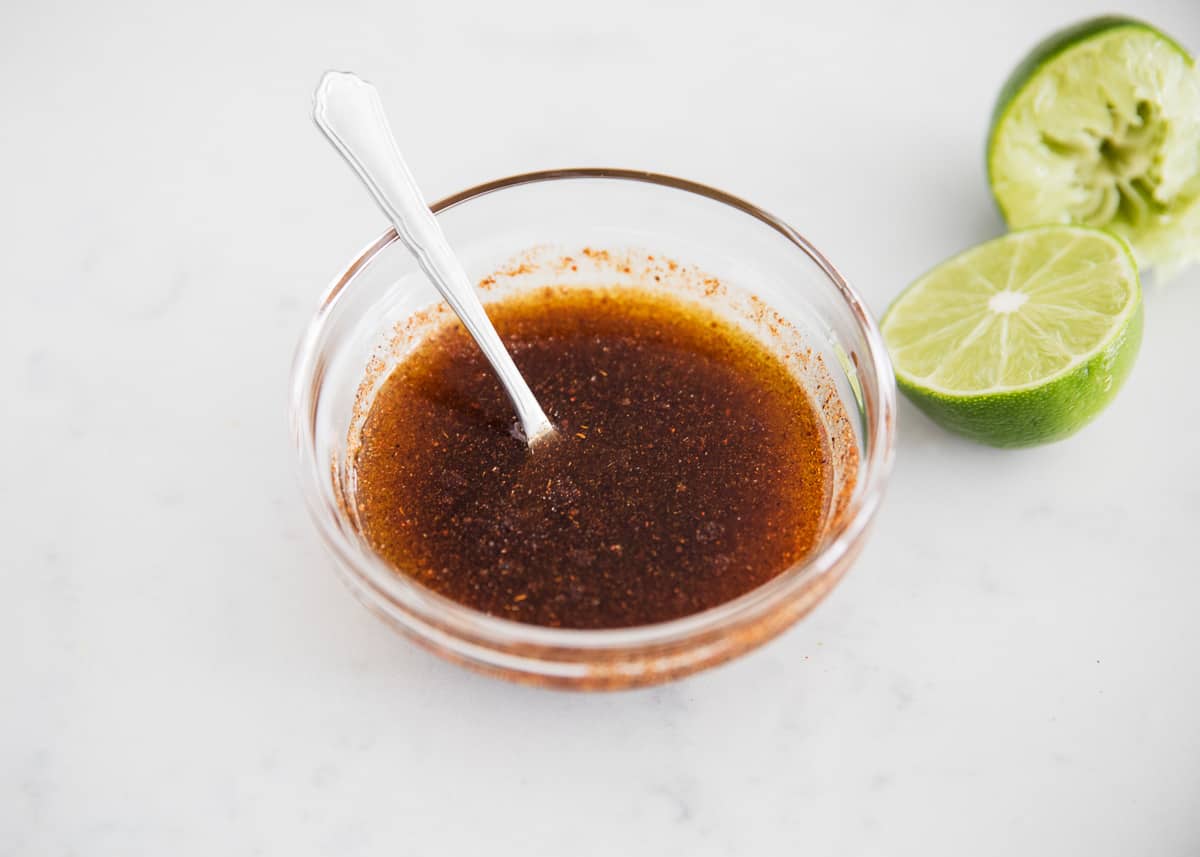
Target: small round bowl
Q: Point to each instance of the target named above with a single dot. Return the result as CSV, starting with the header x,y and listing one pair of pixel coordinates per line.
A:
x,y
590,227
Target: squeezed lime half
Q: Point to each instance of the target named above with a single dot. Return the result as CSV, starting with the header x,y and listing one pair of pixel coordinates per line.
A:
x,y
1100,126
1021,340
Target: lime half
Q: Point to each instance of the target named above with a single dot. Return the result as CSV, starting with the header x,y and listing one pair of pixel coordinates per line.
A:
x,y
1021,340
1100,126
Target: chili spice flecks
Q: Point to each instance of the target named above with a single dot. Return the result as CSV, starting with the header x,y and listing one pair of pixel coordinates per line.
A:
x,y
690,466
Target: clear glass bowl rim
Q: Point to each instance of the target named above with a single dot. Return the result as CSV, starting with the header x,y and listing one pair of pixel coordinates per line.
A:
x,y
381,581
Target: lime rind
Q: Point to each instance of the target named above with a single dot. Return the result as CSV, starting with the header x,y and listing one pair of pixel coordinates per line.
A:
x,y
1101,126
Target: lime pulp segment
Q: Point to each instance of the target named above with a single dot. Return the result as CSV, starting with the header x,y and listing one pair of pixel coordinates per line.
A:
x,y
1012,312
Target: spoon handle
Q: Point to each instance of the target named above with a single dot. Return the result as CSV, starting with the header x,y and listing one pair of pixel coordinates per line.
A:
x,y
348,111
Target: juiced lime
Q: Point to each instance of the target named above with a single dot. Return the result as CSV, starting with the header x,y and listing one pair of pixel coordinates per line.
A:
x,y
1021,340
1100,126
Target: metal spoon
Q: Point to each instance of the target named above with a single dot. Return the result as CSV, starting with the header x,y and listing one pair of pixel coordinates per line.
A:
x,y
348,111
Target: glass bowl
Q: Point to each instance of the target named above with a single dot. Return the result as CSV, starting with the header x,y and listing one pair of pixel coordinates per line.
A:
x,y
613,227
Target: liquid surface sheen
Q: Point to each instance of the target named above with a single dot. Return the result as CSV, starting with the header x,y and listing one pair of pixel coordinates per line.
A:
x,y
690,465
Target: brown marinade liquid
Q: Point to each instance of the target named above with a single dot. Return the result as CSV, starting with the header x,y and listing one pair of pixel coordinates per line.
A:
x,y
690,465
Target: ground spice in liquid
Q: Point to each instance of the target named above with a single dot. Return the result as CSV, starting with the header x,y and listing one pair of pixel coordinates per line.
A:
x,y
690,465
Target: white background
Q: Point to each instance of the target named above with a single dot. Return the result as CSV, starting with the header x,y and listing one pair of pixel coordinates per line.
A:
x,y
1010,668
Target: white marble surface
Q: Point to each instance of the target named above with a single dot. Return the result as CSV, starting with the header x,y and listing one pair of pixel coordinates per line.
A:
x,y
1010,669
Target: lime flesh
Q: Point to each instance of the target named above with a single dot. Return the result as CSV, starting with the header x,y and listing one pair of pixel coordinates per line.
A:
x,y
1021,340
1100,126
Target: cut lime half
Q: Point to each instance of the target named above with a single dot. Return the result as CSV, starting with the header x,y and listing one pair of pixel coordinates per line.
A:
x,y
1021,340
1100,126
